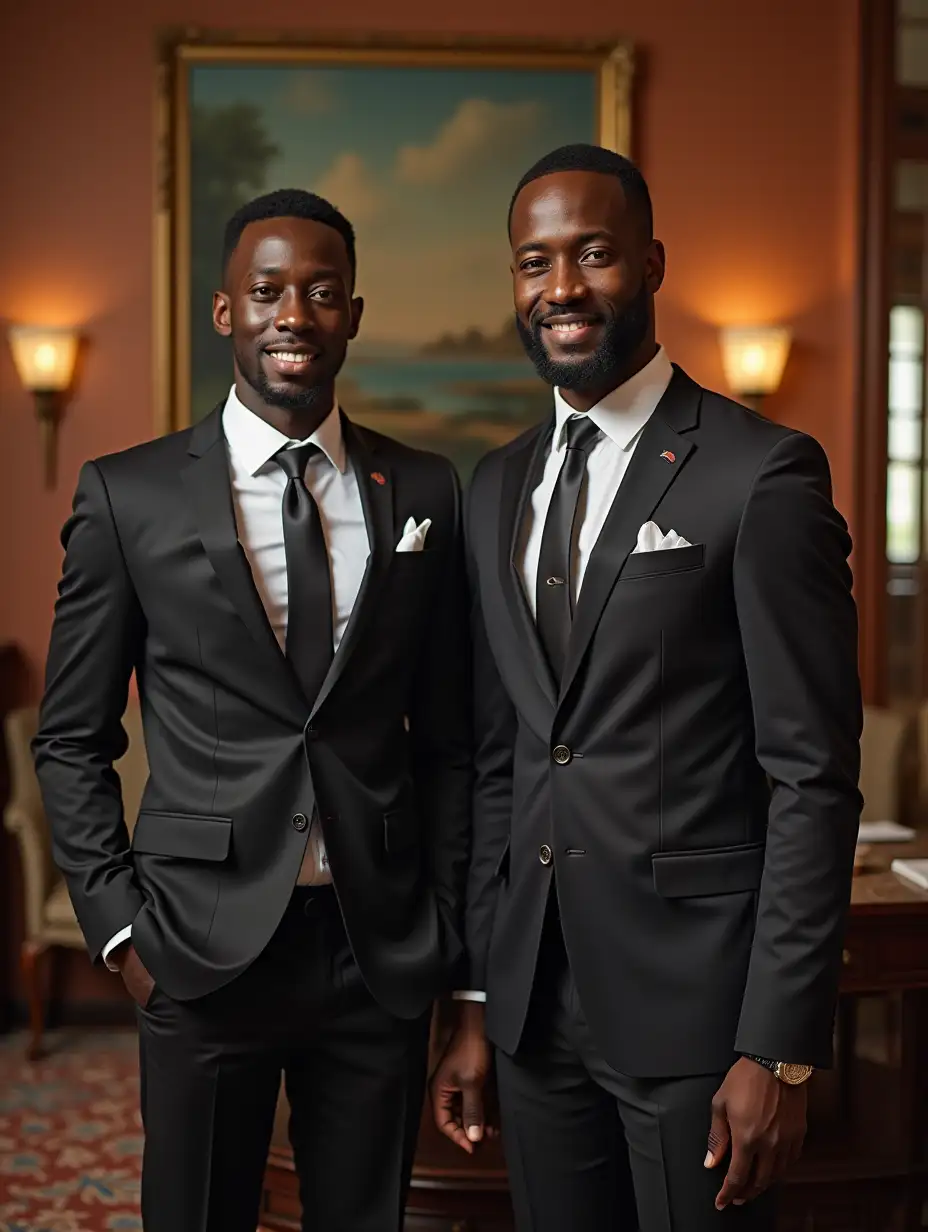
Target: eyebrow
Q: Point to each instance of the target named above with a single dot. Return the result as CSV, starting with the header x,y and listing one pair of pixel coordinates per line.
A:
x,y
586,238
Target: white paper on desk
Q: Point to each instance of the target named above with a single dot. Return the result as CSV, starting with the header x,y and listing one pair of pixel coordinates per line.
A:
x,y
914,871
884,832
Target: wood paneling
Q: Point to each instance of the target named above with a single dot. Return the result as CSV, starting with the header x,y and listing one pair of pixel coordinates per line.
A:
x,y
876,41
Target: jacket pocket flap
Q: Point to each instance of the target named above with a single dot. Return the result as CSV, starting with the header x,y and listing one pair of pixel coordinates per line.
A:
x,y
715,870
186,835
665,560
400,830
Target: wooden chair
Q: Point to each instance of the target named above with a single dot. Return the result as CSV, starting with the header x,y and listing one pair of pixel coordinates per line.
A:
x,y
49,916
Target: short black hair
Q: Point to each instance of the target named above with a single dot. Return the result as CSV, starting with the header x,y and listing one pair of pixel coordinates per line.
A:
x,y
288,203
584,157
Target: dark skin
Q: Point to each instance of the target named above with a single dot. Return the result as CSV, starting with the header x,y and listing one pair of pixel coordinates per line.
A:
x,y
579,258
288,291
580,255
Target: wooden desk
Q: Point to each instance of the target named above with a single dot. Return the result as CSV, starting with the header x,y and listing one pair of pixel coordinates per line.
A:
x,y
865,1167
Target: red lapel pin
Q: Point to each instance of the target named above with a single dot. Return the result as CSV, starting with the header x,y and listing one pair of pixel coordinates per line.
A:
x,y
378,478
668,456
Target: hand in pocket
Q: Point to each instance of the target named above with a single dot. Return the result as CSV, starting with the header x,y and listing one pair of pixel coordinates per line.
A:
x,y
135,976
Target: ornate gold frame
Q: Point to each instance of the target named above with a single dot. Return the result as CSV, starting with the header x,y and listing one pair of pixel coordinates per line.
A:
x,y
612,62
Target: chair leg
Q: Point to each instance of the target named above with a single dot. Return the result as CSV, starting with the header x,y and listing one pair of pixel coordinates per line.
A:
x,y
31,953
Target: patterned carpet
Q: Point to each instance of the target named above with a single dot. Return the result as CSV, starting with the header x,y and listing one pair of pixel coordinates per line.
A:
x,y
70,1134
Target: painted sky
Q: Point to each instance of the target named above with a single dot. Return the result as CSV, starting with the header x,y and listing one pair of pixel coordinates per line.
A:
x,y
423,162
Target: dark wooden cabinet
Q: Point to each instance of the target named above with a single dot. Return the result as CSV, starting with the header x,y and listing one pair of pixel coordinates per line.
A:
x,y
865,1166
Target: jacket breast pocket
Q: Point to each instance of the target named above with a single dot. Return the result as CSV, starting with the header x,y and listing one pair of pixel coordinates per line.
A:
x,y
710,871
664,562
413,562
186,836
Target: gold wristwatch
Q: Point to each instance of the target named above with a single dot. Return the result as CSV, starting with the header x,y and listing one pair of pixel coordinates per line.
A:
x,y
792,1075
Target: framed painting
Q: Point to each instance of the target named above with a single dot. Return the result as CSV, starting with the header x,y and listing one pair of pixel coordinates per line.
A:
x,y
420,145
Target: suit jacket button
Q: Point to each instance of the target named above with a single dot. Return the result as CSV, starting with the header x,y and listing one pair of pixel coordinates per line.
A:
x,y
544,854
562,754
300,822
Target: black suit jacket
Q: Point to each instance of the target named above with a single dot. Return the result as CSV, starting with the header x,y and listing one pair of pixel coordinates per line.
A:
x,y
702,904
156,581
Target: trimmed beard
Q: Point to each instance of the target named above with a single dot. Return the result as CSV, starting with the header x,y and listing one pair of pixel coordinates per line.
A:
x,y
308,398
622,336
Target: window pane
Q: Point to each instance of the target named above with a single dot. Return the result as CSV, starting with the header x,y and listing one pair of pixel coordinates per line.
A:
x,y
912,55
906,330
905,386
913,8
912,186
905,439
902,510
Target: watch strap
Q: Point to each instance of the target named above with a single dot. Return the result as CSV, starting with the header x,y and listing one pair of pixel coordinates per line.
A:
x,y
790,1074
773,1066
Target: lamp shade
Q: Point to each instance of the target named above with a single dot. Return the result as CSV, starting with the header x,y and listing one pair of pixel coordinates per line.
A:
x,y
44,357
754,358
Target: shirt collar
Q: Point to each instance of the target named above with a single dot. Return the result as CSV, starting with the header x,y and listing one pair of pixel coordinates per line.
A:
x,y
253,441
622,413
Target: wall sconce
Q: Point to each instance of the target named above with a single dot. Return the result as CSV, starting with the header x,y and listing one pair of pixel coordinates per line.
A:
x,y
754,358
45,359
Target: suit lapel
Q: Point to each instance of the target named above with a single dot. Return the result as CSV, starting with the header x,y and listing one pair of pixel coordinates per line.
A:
x,y
376,487
520,473
209,490
648,477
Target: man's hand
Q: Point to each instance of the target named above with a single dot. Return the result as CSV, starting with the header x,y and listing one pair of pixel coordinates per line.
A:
x,y
764,1122
457,1084
134,973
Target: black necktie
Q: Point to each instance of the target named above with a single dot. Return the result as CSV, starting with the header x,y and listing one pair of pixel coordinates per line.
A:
x,y
557,557
309,589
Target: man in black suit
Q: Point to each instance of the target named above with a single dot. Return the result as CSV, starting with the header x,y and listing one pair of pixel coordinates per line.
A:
x,y
288,589
667,724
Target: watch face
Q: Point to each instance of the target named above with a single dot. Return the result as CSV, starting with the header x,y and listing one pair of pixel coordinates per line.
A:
x,y
793,1074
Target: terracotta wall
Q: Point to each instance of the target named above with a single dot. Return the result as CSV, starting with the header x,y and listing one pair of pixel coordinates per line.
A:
x,y
747,133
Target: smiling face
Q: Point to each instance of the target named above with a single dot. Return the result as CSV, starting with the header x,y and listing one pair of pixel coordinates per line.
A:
x,y
585,271
287,305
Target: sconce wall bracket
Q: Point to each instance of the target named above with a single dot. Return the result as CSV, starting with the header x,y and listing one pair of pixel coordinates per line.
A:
x,y
48,413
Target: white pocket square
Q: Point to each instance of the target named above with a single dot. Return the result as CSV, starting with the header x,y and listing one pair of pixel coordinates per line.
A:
x,y
413,539
652,539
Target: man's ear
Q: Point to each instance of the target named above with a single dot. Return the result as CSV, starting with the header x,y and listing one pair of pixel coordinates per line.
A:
x,y
654,266
357,311
222,314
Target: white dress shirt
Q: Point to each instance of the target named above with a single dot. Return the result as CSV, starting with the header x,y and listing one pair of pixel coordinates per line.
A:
x,y
258,485
621,416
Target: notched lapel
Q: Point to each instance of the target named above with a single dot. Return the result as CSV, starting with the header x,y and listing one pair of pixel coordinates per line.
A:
x,y
376,485
520,471
658,459
209,490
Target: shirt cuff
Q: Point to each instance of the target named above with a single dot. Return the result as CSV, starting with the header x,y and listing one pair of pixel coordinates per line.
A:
x,y
469,995
123,935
